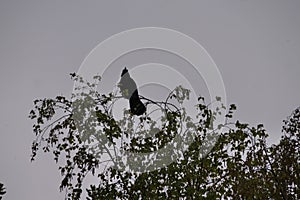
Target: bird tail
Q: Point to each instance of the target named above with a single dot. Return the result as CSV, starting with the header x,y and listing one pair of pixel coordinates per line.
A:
x,y
136,105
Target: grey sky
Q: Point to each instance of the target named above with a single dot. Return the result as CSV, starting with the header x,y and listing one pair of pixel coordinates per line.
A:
x,y
255,45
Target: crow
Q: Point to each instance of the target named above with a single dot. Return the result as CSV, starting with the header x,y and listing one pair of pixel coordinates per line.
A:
x,y
129,91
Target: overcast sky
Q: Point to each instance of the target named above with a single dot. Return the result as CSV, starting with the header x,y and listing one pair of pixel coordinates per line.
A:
x,y
255,45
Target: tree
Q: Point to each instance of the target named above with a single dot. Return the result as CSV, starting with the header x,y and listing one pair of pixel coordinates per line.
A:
x,y
2,190
232,161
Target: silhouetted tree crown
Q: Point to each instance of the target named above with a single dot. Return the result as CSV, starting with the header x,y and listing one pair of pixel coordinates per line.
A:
x,y
238,164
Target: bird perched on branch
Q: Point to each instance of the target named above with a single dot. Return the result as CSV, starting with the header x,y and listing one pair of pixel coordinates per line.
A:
x,y
129,91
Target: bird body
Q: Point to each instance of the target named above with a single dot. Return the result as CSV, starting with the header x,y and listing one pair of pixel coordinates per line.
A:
x,y
129,91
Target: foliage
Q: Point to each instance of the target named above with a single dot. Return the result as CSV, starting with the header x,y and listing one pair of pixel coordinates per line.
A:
x,y
232,161
2,190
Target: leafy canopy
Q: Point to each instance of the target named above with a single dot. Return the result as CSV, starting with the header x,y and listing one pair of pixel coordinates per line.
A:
x,y
173,157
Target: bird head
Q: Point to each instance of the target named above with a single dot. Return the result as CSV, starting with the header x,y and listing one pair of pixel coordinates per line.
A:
x,y
124,71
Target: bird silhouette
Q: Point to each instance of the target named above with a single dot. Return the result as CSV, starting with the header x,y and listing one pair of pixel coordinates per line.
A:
x,y
129,91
